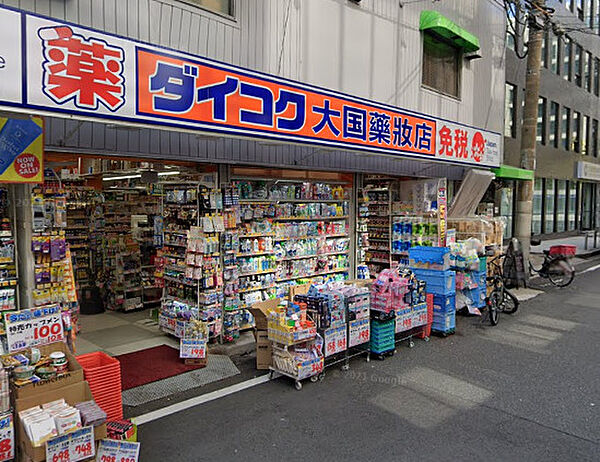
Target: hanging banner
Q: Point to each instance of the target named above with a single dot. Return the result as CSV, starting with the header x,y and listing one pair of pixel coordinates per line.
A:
x,y
75,70
33,327
21,150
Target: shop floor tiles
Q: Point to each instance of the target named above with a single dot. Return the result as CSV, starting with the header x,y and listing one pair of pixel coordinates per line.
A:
x,y
143,345
119,335
94,322
219,367
132,316
82,346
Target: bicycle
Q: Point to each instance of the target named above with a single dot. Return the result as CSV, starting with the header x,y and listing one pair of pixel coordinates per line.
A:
x,y
557,265
499,299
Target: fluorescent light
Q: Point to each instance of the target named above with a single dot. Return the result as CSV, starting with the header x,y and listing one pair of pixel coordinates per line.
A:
x,y
176,172
124,177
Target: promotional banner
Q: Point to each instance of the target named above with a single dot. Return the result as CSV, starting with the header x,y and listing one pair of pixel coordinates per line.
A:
x,y
21,150
33,327
75,70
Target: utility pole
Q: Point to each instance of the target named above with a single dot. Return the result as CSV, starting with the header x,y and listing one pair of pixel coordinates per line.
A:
x,y
536,24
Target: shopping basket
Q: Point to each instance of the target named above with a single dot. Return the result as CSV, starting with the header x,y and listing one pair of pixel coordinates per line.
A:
x,y
562,251
103,374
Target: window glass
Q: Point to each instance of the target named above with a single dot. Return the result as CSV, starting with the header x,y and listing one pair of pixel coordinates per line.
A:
x,y
541,121
219,6
569,4
440,66
572,205
597,76
587,75
544,59
553,138
506,208
549,208
584,135
566,58
594,140
553,53
561,204
577,64
536,218
509,110
590,13
586,205
576,132
564,128
579,10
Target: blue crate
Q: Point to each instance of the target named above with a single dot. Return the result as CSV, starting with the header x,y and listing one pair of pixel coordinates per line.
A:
x,y
382,326
476,296
444,322
483,264
437,258
480,278
444,303
438,282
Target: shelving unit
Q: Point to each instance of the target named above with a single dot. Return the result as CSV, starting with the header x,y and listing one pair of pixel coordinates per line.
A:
x,y
8,269
374,230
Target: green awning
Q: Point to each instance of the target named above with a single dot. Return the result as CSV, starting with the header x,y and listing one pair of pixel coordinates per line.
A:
x,y
444,27
513,173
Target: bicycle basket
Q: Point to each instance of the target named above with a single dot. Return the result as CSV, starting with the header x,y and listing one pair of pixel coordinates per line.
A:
x,y
562,250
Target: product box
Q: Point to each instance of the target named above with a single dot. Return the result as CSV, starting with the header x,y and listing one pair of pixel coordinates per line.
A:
x,y
264,350
72,394
298,290
260,312
73,376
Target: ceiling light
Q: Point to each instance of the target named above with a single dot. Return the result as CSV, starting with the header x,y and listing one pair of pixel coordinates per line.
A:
x,y
123,177
176,172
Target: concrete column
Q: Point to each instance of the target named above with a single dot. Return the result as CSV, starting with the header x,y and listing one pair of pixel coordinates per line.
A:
x,y
23,221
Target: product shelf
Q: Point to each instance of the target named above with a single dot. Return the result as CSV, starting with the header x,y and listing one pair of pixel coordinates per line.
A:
x,y
340,217
312,275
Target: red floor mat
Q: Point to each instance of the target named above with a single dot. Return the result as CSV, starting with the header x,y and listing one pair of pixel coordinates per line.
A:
x,y
145,366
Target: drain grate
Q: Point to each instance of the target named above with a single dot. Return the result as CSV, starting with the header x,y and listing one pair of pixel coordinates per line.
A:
x,y
219,367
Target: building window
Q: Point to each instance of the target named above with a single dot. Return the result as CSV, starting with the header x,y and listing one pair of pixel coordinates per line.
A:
x,y
569,4
577,65
541,121
584,135
566,59
224,7
594,140
572,206
553,52
536,217
587,75
510,112
590,14
579,10
576,132
549,206
564,128
561,205
544,59
597,76
441,66
554,125
587,201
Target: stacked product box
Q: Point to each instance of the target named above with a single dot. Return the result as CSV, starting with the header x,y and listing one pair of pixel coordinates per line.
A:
x,y
431,264
471,284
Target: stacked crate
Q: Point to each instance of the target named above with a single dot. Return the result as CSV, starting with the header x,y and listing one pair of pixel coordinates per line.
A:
x,y
382,336
431,264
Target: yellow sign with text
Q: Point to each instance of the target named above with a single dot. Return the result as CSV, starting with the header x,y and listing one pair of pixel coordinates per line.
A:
x,y
21,150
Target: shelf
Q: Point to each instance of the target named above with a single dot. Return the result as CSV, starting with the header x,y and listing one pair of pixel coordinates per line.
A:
x,y
257,254
178,268
191,283
297,238
313,256
341,217
290,201
173,244
77,227
380,262
178,233
150,302
181,300
345,270
246,236
256,289
369,225
170,255
257,272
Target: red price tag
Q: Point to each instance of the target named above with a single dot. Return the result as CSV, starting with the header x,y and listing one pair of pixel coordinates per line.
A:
x,y
107,459
62,456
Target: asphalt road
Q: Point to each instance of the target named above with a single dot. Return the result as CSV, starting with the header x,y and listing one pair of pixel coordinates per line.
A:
x,y
528,389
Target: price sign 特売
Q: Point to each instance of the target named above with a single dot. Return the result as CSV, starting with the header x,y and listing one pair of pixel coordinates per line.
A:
x,y
74,446
118,451
33,327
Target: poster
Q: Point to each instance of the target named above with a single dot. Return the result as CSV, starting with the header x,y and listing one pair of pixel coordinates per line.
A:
x,y
21,150
33,327
118,451
74,446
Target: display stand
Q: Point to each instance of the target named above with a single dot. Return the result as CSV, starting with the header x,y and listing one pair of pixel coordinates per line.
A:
x,y
374,228
8,269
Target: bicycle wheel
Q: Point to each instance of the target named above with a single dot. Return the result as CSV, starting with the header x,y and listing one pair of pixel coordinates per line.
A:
x,y
492,306
511,302
560,272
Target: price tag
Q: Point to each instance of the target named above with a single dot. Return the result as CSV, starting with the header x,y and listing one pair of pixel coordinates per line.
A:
x,y
33,327
192,348
7,437
359,332
118,451
74,446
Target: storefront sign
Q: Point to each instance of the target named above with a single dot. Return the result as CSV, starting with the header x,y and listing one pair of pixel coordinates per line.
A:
x,y
21,150
74,446
7,437
77,70
442,212
118,451
33,327
192,348
588,171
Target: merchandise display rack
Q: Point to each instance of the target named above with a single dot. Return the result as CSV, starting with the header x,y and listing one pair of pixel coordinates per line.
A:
x,y
374,230
8,270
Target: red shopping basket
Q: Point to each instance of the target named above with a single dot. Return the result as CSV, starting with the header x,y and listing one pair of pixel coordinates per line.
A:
x,y
103,374
563,250
426,332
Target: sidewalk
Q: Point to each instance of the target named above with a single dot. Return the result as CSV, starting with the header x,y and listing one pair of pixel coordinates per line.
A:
x,y
578,241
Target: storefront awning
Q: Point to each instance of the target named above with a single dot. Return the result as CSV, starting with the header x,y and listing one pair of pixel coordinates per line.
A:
x,y
513,173
444,27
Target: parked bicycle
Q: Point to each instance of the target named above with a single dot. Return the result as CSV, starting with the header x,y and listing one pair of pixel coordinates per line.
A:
x,y
499,299
557,266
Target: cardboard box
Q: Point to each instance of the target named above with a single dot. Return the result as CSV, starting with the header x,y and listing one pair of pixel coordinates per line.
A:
x,y
261,336
298,290
260,310
75,374
72,394
264,352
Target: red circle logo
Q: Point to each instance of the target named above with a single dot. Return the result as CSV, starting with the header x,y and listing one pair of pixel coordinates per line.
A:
x,y
27,165
478,146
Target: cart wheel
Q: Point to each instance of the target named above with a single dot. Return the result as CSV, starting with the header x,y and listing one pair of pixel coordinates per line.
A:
x,y
426,339
298,385
321,376
411,344
314,378
271,375
346,367
368,358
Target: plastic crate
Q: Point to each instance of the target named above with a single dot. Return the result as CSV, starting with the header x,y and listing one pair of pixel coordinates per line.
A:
x,y
444,303
383,348
438,282
476,296
483,264
444,322
103,374
434,258
480,278
563,250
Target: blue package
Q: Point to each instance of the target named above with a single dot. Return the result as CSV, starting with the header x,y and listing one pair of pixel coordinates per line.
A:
x,y
15,136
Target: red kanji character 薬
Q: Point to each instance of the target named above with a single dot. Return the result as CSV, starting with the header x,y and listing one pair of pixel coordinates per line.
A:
x,y
87,71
